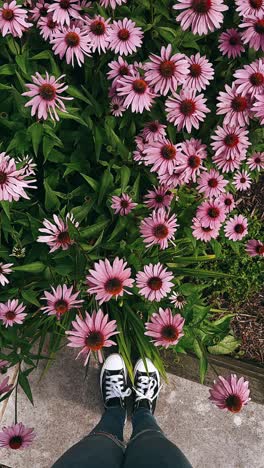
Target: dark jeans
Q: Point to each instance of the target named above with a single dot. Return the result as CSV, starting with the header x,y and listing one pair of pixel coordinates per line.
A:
x,y
104,447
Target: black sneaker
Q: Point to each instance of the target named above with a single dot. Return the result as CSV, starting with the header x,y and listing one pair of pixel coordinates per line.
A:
x,y
113,382
146,385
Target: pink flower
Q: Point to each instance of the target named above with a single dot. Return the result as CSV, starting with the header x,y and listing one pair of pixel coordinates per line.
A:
x,y
234,106
230,393
118,69
40,10
230,141
92,333
117,106
186,110
138,155
166,72
125,37
17,436
249,7
3,365
230,43
27,164
254,31
228,163
60,301
154,282
228,201
178,300
64,10
211,183
165,328
191,158
13,19
161,155
211,213
122,205
255,247
242,180
5,270
48,27
72,42
236,228
13,181
258,108
5,387
202,16
158,229
12,312
98,33
57,235
256,161
112,3
204,233
45,94
107,281
137,92
250,78
173,180
200,73
160,197
154,131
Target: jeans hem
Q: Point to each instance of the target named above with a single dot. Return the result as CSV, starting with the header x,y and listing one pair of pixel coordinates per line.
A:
x,y
143,432
118,442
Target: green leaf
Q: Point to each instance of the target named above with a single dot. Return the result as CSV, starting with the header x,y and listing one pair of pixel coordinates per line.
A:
x,y
8,69
105,185
98,141
201,354
226,346
72,91
125,176
93,183
36,131
35,267
91,231
48,145
51,199
30,297
24,384
6,207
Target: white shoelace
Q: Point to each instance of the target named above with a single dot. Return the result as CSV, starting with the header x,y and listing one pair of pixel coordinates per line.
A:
x,y
114,387
146,388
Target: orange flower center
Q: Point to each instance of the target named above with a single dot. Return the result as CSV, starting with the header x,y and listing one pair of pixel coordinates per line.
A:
x,y
123,70
167,68
213,212
239,104
169,333
7,14
231,140
155,283
113,286
95,340
187,107
168,152
61,307
51,24
47,92
140,86
65,4
239,228
257,79
201,6
160,231
72,39
260,249
234,403
64,237
124,203
194,162
259,26
123,34
256,4
153,127
3,177
10,315
212,182
98,27
195,70
228,202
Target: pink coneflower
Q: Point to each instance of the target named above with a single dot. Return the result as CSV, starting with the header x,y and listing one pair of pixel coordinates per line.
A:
x,y
40,9
45,94
236,228
228,163
12,312
92,334
107,281
60,301
98,33
190,161
249,7
3,365
254,248
112,3
13,19
254,31
250,78
27,164
122,205
200,73
136,91
256,161
159,197
138,155
165,328
234,106
154,282
202,16
178,300
230,43
64,10
13,181
230,393
57,234
172,180
158,229
5,270
161,155
204,233
16,437
154,131
186,110
258,107
211,184
242,180
125,37
211,213
119,68
117,107
230,141
72,42
228,201
166,72
48,27
5,387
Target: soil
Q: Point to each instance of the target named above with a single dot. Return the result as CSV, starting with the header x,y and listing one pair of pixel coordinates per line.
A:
x,y
252,201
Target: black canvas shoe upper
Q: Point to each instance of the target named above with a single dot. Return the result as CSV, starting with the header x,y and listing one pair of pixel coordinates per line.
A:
x,y
114,388
146,388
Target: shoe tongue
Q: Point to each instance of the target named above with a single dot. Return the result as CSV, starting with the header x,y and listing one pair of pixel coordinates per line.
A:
x,y
113,402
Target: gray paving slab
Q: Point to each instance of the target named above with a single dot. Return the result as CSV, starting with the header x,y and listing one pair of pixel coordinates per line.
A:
x,y
67,406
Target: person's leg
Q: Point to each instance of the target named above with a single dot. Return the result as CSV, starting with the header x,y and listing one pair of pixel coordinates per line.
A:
x,y
148,446
104,445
